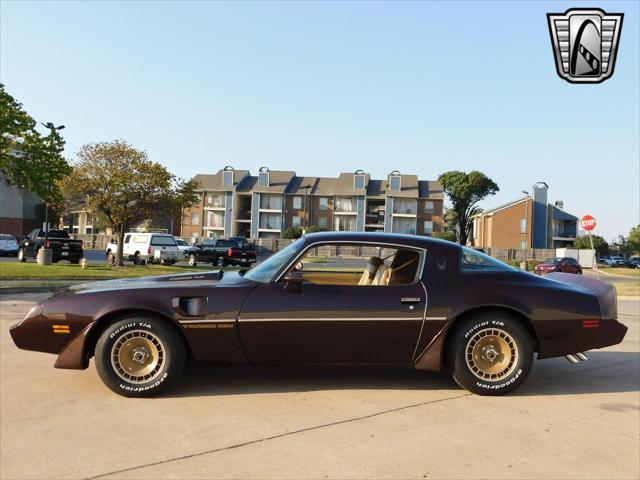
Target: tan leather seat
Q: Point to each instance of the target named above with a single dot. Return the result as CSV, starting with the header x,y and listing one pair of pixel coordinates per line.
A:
x,y
370,271
383,274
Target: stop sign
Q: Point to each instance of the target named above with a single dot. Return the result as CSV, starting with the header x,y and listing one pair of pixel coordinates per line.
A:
x,y
588,223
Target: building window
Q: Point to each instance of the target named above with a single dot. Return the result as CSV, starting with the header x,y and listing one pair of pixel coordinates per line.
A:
x,y
429,206
324,203
296,221
322,222
345,223
358,181
214,220
263,179
297,203
195,218
227,178
404,225
523,225
270,202
214,200
270,221
428,226
405,206
523,244
395,183
345,204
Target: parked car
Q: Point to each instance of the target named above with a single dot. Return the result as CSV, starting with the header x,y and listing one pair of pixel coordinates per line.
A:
x,y
144,248
417,302
614,261
63,248
184,247
633,262
223,251
8,245
559,264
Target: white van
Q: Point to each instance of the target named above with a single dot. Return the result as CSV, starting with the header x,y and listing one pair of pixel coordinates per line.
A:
x,y
144,248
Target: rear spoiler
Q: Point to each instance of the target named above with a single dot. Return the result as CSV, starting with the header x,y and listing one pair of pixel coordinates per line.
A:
x,y
603,291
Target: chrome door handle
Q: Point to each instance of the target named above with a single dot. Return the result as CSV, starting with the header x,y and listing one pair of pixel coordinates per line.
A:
x,y
410,299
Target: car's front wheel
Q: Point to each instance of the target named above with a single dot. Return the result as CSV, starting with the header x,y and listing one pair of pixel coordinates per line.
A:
x,y
139,356
490,353
192,260
21,256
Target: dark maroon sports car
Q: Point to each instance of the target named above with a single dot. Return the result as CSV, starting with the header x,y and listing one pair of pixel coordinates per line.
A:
x,y
330,299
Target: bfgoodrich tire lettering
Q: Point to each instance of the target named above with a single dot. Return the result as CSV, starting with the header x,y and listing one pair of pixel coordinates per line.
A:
x,y
139,357
490,353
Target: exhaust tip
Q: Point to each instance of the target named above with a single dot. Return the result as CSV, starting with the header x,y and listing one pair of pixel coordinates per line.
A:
x,y
582,356
572,358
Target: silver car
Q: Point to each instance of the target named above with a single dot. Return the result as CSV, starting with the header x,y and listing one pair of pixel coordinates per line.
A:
x,y
8,245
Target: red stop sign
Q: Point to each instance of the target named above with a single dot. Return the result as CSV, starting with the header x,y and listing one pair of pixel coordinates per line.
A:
x,y
588,223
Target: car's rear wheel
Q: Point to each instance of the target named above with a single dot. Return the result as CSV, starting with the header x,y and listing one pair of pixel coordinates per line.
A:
x,y
21,256
490,353
221,262
139,357
111,259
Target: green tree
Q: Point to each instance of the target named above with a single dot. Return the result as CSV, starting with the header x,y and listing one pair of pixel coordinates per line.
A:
x,y
314,228
466,190
29,160
450,236
292,232
621,246
121,184
634,240
600,245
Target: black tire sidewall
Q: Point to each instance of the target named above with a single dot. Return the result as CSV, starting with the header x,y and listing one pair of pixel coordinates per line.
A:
x,y
457,361
175,356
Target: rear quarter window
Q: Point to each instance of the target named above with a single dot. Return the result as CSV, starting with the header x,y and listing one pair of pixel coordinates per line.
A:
x,y
472,261
140,239
163,240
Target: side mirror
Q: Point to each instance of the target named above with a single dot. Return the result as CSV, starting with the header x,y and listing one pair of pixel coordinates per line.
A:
x,y
293,282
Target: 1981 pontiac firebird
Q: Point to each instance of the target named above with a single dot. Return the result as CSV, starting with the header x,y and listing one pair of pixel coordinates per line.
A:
x,y
330,298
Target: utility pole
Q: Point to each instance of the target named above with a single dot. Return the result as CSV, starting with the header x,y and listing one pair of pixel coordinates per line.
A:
x,y
526,223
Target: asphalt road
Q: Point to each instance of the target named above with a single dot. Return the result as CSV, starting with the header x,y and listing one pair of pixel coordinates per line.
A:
x,y
567,421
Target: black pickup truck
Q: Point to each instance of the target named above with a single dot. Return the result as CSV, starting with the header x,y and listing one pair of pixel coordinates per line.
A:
x,y
223,251
57,240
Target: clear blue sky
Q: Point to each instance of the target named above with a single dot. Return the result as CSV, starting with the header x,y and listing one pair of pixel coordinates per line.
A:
x,y
327,87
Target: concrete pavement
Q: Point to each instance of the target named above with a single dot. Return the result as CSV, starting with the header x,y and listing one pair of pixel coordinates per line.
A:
x,y
567,421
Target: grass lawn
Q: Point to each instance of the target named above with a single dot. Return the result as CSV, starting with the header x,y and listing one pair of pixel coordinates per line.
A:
x,y
17,270
628,272
631,289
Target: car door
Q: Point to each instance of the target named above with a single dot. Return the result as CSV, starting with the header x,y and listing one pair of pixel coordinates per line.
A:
x,y
207,250
30,244
324,323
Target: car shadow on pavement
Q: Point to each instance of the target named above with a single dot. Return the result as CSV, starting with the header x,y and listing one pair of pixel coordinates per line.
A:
x,y
604,372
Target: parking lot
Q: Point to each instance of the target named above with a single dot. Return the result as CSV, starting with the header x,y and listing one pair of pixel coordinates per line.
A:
x,y
568,421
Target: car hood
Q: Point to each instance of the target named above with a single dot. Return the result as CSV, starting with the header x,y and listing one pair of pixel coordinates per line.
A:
x,y
183,280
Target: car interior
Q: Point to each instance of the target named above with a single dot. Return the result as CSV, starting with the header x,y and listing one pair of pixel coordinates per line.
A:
x,y
358,266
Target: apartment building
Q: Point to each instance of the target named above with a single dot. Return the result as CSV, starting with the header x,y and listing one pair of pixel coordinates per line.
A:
x,y
233,202
527,222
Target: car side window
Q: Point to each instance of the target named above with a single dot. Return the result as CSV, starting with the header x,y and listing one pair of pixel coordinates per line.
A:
x,y
127,238
359,265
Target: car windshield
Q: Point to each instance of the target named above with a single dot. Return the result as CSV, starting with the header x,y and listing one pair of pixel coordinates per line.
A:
x,y
7,238
474,261
552,261
264,272
182,243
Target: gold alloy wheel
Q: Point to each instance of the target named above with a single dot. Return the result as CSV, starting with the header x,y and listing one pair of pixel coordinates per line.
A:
x,y
137,356
491,354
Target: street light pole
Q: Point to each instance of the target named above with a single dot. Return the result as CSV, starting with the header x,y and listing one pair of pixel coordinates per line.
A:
x,y
526,222
52,128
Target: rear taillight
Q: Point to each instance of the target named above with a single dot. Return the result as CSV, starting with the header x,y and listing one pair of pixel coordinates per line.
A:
x,y
230,252
149,251
590,323
48,243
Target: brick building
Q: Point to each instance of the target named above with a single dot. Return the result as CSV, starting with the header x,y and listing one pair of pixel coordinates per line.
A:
x,y
528,222
233,202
